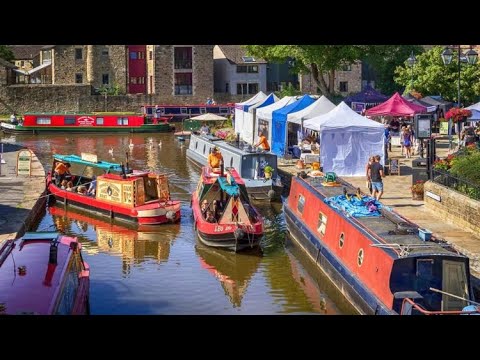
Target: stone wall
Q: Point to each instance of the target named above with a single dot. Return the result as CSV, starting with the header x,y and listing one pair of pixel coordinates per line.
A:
x,y
65,66
453,206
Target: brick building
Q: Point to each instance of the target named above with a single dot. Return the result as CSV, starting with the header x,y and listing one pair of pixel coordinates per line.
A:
x,y
7,76
347,80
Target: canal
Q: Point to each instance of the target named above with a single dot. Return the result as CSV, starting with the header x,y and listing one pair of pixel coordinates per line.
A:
x,y
166,270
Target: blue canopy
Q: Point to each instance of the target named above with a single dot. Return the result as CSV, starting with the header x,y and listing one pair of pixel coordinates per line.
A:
x,y
279,122
75,159
368,96
231,190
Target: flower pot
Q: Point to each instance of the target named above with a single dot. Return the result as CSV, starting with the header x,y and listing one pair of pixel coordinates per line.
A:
x,y
268,175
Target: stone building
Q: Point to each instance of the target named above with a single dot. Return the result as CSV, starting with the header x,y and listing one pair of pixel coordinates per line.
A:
x,y
183,73
347,80
26,56
96,65
7,76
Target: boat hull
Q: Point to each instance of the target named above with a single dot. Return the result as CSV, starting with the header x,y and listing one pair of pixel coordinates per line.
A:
x,y
348,284
229,242
17,129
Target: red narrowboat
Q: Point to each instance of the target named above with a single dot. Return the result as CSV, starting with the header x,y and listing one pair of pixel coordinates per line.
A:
x,y
223,215
43,273
82,123
375,257
120,193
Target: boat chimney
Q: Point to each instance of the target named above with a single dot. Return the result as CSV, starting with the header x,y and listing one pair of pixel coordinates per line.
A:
x,y
124,175
53,253
222,173
238,139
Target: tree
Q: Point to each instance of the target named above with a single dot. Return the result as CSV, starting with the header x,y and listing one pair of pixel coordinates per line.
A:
x,y
432,77
314,59
6,53
384,59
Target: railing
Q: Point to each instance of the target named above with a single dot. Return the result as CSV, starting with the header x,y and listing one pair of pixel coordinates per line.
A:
x,y
408,305
462,186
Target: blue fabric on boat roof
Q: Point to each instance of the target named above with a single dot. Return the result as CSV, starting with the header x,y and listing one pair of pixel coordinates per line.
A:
x,y
231,190
355,207
75,159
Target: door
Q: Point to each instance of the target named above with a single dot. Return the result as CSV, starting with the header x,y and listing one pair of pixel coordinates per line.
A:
x,y
455,283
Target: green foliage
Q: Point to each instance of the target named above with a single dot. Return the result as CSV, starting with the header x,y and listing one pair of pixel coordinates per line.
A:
x,y
109,90
467,167
384,59
6,53
432,77
288,90
268,169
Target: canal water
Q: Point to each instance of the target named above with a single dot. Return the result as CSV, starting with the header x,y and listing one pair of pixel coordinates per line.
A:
x,y
166,270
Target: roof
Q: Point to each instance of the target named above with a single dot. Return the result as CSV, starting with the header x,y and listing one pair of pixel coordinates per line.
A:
x,y
25,52
367,95
396,106
237,54
36,290
7,64
75,159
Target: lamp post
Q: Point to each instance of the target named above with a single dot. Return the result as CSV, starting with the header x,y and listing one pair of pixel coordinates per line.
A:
x,y
469,57
411,62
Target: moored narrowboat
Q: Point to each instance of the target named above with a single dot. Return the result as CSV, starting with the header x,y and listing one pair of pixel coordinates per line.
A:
x,y
223,216
120,193
43,273
249,163
374,256
35,123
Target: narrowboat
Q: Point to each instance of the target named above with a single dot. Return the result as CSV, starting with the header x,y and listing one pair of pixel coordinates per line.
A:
x,y
380,261
248,162
235,224
120,193
233,271
36,123
185,111
43,273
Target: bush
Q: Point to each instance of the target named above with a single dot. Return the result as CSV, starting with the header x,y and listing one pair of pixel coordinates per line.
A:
x,y
467,167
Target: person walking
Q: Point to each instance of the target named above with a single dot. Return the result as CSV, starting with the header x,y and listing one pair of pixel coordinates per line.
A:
x,y
375,173
371,160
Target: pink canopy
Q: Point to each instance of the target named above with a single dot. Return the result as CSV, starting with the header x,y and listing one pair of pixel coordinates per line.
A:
x,y
396,106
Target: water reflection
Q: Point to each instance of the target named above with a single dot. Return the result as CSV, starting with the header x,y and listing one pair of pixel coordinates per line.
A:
x,y
233,270
134,244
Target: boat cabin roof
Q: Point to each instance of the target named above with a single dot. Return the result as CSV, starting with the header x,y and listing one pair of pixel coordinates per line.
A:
x,y
235,148
403,238
209,177
75,159
28,283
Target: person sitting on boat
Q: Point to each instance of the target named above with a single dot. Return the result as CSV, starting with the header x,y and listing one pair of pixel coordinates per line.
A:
x,y
69,186
217,208
210,217
204,130
82,189
13,119
204,207
214,158
64,184
262,142
93,186
61,171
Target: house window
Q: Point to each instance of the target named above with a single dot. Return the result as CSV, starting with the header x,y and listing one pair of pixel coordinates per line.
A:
x,y
105,79
248,59
46,56
69,121
253,88
242,68
346,67
78,54
252,68
133,80
141,55
322,223
99,121
44,121
241,89
79,78
343,86
301,203
133,55
150,55
105,51
183,84
183,57
141,80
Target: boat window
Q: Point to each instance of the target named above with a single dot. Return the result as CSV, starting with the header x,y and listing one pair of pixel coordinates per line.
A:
x,y
231,162
44,121
204,148
341,240
360,257
183,111
122,121
69,121
70,286
196,145
99,120
203,110
322,223
301,203
425,268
